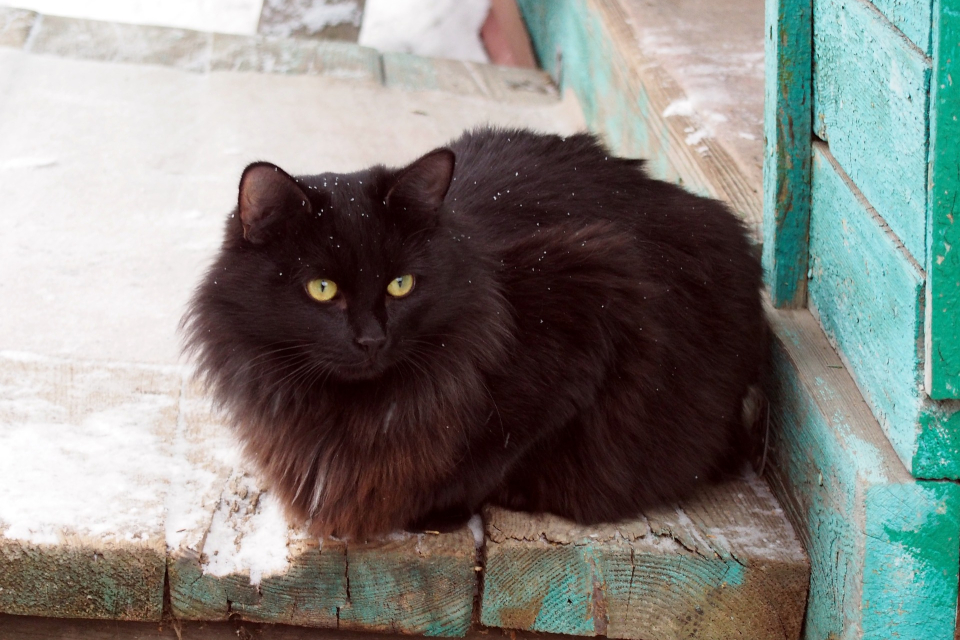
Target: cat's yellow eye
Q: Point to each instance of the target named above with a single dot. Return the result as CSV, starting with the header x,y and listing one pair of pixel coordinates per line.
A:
x,y
322,290
400,286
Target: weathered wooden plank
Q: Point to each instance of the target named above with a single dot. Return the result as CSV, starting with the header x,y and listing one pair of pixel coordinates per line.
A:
x,y
866,291
286,55
83,457
416,73
115,42
35,628
912,17
868,294
723,564
863,519
786,158
420,583
589,47
871,91
15,26
942,332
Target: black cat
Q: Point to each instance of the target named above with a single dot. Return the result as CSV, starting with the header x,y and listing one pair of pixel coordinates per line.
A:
x,y
516,318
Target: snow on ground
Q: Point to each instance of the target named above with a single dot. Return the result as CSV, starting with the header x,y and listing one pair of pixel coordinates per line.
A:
x,y
436,28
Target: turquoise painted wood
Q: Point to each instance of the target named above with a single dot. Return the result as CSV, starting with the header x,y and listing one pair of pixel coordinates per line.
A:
x,y
912,17
868,293
943,255
882,546
910,552
871,90
786,161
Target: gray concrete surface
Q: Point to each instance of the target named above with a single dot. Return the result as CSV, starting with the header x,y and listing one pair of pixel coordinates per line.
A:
x,y
115,177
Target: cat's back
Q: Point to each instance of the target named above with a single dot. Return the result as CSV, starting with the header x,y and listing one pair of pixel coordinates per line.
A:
x,y
514,183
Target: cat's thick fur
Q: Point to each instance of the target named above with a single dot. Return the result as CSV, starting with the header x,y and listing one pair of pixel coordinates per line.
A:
x,y
579,340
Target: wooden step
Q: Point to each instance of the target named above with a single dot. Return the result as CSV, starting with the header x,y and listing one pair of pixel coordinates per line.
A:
x,y
883,546
723,564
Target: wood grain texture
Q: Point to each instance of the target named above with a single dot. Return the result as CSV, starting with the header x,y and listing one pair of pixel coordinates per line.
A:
x,y
72,565
868,294
624,94
942,333
862,517
35,628
724,564
871,90
286,55
786,159
116,42
912,17
422,584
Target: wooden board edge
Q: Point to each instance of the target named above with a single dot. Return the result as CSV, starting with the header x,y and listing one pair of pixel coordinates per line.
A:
x,y
788,132
855,510
942,318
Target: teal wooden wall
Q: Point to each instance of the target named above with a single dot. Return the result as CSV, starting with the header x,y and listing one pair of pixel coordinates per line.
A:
x,y
882,274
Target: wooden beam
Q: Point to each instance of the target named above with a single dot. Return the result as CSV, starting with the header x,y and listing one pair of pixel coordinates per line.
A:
x,y
724,563
786,158
942,322
868,293
883,547
871,89
91,541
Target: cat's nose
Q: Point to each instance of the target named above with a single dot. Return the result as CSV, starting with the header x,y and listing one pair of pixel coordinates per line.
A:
x,y
371,343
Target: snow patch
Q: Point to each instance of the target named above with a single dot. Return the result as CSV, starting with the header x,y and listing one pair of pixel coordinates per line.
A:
x,y
683,107
47,455
695,137
313,16
249,533
30,162
476,528
438,28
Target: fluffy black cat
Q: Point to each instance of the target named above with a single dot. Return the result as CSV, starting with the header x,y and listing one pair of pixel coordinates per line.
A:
x,y
516,318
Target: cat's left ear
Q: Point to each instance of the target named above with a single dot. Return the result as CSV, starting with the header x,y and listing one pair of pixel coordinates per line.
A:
x,y
267,193
423,185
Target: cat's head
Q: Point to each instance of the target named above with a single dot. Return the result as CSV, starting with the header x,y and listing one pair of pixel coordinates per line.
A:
x,y
346,277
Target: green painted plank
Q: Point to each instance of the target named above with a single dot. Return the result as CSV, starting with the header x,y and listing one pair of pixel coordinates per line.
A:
x,y
864,520
786,159
912,17
870,92
943,253
725,563
868,294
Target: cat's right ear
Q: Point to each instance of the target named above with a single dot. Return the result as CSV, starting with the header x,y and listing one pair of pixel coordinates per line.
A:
x,y
423,185
267,194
